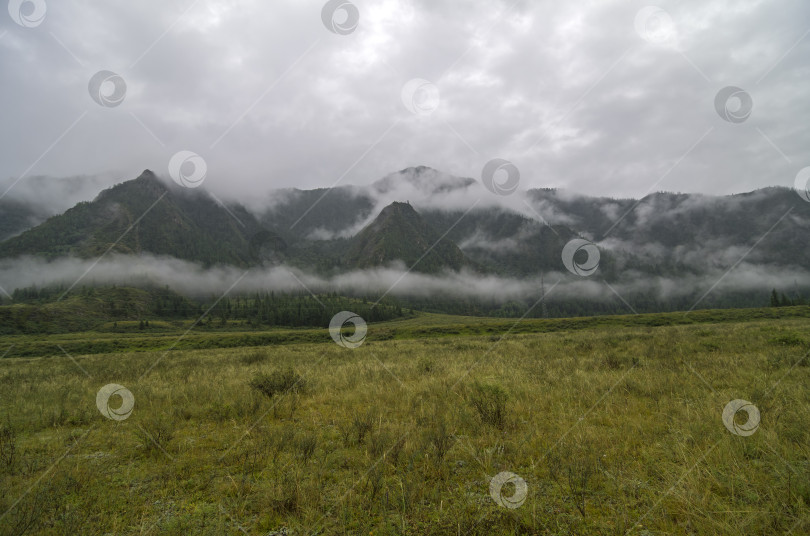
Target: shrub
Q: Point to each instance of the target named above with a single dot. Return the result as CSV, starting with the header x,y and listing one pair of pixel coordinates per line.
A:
x,y
8,447
362,425
156,434
439,438
489,401
279,381
574,470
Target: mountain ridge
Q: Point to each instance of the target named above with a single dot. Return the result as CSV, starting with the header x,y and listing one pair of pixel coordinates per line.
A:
x,y
147,215
339,229
399,233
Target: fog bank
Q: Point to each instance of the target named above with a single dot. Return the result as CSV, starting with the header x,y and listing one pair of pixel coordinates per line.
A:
x,y
395,280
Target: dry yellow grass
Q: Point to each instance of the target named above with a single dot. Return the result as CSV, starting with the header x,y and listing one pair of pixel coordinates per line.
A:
x,y
614,431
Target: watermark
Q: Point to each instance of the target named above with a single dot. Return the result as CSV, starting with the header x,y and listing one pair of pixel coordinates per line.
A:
x,y
420,96
107,88
654,25
336,329
188,169
579,266
500,176
340,17
103,401
749,426
27,13
802,184
513,501
733,104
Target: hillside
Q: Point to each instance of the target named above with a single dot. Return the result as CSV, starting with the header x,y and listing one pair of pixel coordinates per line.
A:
x,y
509,243
692,231
17,218
147,215
399,217
400,234
317,214
661,234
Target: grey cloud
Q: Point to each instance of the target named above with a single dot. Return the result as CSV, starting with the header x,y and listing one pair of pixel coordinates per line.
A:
x,y
567,91
50,195
481,240
394,280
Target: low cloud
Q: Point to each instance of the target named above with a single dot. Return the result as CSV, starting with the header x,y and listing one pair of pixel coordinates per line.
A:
x,y
194,280
483,240
54,195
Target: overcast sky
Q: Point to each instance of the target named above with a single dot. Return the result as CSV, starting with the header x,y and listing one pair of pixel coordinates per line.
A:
x,y
603,97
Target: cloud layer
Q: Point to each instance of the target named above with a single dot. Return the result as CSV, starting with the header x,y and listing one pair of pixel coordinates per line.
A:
x,y
194,280
600,98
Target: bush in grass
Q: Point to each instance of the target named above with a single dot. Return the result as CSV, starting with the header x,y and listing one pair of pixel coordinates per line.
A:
x,y
156,434
362,425
439,438
8,447
278,382
489,400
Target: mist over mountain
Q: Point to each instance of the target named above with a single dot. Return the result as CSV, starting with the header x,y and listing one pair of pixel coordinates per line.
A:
x,y
466,240
400,234
41,196
148,215
17,217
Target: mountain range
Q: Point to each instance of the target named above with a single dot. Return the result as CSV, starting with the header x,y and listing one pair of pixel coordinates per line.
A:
x,y
424,220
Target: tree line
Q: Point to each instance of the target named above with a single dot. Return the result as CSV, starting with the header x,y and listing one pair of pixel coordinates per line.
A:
x,y
289,309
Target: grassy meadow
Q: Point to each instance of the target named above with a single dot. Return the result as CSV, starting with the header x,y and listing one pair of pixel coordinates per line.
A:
x,y
614,424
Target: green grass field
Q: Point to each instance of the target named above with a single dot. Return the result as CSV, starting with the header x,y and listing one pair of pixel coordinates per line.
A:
x,y
614,424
